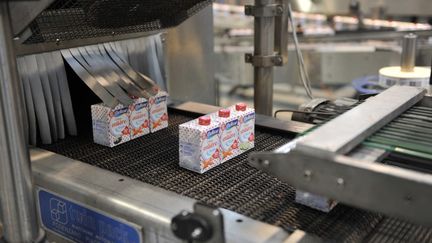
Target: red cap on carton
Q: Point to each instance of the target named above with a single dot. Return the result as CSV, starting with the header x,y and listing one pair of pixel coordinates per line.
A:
x,y
204,121
240,107
224,113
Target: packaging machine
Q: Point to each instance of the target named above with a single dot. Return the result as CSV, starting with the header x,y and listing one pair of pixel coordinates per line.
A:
x,y
74,190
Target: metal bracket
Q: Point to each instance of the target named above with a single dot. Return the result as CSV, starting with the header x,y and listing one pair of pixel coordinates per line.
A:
x,y
264,61
205,224
264,11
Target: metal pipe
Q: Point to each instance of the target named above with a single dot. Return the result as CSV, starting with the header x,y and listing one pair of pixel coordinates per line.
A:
x,y
17,201
409,46
264,46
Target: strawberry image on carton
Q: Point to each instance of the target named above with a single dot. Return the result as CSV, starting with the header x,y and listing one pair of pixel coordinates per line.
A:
x,y
199,144
229,138
110,125
158,111
246,118
139,118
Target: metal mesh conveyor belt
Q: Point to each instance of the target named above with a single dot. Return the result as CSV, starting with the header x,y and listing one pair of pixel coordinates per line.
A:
x,y
236,186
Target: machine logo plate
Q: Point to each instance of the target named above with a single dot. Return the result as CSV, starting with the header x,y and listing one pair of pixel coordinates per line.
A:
x,y
82,224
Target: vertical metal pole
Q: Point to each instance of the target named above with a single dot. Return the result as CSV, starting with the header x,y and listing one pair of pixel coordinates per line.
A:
x,y
264,46
409,46
17,202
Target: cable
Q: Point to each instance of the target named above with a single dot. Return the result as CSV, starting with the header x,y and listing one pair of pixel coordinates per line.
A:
x,y
304,77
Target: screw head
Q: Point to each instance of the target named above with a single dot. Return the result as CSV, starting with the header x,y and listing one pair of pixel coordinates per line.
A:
x,y
340,181
278,60
307,174
265,163
196,233
279,10
408,198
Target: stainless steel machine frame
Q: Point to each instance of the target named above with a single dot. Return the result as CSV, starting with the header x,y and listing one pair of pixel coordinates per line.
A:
x,y
18,207
321,166
270,40
149,208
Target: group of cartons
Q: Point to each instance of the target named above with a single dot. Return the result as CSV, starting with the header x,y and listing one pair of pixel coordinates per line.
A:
x,y
114,126
216,138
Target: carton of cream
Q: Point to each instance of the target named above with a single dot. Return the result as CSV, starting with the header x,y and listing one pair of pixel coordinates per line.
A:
x,y
139,118
246,117
110,125
158,111
229,134
199,144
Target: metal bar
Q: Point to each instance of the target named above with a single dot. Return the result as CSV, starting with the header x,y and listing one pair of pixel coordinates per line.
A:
x,y
16,187
394,191
147,206
264,46
351,128
409,45
281,31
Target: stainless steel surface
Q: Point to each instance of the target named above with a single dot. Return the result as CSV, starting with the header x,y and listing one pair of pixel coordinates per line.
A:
x,y
40,104
394,191
30,111
16,186
55,88
389,7
138,203
89,80
142,81
260,120
190,59
66,100
351,128
281,32
24,12
26,49
47,95
409,47
264,28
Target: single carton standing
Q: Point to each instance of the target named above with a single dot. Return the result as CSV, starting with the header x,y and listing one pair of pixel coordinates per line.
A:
x,y
199,144
158,111
246,117
229,138
139,118
110,125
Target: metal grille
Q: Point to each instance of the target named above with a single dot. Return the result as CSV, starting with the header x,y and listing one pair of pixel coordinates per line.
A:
x,y
233,185
77,19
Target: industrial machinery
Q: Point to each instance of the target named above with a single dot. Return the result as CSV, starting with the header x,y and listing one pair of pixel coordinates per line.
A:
x,y
371,155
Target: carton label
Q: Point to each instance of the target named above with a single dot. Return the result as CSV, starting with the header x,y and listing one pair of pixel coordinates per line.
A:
x,y
119,125
247,127
139,119
158,113
229,138
212,132
210,151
